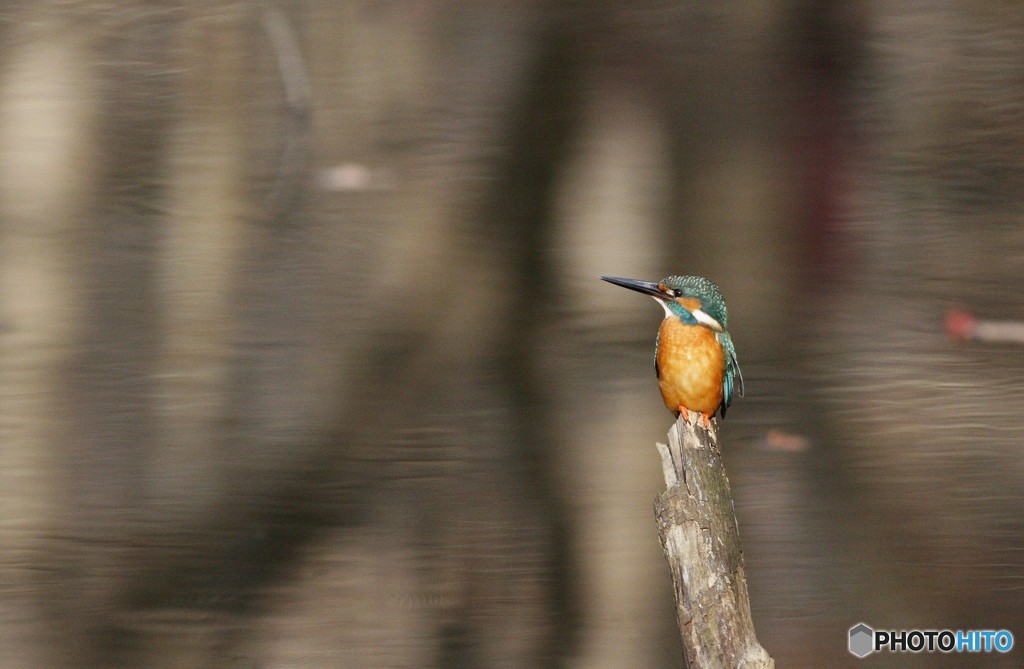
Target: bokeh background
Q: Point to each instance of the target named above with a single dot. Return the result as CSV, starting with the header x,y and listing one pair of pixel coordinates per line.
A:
x,y
304,361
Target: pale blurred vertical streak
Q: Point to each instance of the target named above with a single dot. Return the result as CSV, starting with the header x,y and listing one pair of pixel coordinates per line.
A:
x,y
199,259
613,200
47,107
610,206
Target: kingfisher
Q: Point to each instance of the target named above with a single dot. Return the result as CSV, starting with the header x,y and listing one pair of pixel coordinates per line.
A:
x,y
694,358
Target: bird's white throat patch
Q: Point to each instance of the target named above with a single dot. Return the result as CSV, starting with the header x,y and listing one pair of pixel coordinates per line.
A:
x,y
702,316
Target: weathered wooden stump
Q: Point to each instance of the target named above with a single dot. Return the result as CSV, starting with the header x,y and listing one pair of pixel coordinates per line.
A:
x,y
697,524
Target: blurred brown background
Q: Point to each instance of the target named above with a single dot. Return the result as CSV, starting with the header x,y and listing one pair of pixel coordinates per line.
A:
x,y
304,360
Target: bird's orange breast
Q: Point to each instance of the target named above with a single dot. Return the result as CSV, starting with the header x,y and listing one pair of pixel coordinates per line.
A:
x,y
691,365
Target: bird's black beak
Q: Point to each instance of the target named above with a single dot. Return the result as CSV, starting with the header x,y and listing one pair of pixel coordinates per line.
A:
x,y
645,287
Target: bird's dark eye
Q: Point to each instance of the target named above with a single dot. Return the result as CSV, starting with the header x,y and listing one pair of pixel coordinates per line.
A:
x,y
672,292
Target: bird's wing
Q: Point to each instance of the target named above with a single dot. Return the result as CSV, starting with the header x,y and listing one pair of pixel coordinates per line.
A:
x,y
657,340
733,377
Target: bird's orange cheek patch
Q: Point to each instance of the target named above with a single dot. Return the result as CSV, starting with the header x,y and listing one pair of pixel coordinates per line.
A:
x,y
689,303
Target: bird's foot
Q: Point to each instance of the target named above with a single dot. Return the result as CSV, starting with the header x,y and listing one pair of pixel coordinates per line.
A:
x,y
703,418
684,413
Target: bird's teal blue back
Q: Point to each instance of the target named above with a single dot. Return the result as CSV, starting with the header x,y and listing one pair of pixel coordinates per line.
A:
x,y
732,381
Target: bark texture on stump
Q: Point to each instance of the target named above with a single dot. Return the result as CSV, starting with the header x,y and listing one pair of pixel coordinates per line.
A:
x,y
697,524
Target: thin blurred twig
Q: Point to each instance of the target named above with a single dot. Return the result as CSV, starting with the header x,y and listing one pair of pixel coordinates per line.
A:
x,y
964,325
294,159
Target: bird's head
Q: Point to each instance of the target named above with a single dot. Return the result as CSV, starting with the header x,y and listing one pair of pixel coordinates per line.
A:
x,y
683,297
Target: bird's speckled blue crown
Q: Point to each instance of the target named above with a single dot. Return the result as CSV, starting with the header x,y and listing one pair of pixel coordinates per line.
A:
x,y
705,290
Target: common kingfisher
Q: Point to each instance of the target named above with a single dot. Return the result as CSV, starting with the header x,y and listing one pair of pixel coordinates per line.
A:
x,y
694,358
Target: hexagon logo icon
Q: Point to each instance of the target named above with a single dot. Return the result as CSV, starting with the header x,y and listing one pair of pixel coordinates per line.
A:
x,y
862,640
